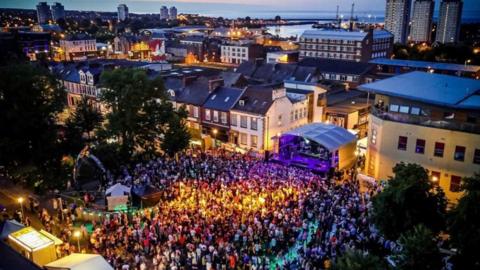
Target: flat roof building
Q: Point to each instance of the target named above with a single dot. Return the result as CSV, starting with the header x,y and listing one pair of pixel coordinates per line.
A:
x,y
429,119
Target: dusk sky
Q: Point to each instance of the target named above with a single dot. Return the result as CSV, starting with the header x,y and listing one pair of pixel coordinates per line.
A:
x,y
240,8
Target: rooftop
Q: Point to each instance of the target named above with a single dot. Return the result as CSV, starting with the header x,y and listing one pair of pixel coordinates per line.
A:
x,y
438,89
335,34
337,66
330,136
223,98
425,65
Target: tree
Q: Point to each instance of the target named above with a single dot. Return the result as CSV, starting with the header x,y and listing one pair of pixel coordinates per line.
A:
x,y
409,199
86,117
356,260
464,225
140,113
177,135
30,100
419,250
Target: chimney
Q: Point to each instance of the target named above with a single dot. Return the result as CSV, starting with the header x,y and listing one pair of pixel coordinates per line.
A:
x,y
213,84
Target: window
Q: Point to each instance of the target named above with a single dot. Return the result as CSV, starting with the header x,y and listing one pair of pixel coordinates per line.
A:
x,y
280,120
243,121
195,111
373,139
393,108
215,116
420,147
435,178
476,156
415,111
253,123
207,115
233,119
254,141
404,109
223,117
402,143
439,149
243,138
459,154
455,182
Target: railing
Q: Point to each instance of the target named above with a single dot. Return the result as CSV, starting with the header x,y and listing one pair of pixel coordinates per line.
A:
x,y
425,121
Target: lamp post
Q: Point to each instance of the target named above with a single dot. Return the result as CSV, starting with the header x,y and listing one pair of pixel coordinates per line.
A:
x,y
77,235
20,201
215,131
467,62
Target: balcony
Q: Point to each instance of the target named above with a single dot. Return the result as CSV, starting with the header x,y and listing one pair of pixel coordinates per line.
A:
x,y
425,121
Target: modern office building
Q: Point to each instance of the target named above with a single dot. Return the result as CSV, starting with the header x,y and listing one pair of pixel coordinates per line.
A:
x,y
355,46
421,27
448,28
122,12
173,13
397,16
58,11
43,13
240,53
429,119
164,13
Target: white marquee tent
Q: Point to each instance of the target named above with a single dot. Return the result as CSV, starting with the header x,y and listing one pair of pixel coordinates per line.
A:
x,y
77,261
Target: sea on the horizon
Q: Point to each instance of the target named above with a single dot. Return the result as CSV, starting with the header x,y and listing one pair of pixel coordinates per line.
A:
x,y
225,10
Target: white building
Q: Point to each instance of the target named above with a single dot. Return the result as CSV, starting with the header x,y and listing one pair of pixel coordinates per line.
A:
x,y
78,47
450,17
397,17
239,53
421,27
263,113
173,13
164,13
122,12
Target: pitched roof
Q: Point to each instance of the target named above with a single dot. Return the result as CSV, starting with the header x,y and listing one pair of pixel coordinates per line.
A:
x,y
256,100
274,72
337,66
223,98
437,89
195,93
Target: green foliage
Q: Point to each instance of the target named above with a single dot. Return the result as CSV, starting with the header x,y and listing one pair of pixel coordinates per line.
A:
x,y
140,114
177,135
454,53
86,117
30,100
356,260
419,250
464,225
409,199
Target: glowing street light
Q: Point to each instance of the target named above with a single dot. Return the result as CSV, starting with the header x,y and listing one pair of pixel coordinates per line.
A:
x,y
215,131
77,235
20,201
468,61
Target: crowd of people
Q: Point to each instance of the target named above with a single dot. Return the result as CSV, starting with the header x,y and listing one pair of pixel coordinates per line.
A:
x,y
232,211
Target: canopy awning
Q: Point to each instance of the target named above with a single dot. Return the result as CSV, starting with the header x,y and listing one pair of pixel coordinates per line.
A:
x,y
77,261
330,136
117,190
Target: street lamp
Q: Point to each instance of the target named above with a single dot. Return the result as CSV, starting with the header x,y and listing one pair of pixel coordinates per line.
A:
x,y
77,235
215,131
20,201
467,62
